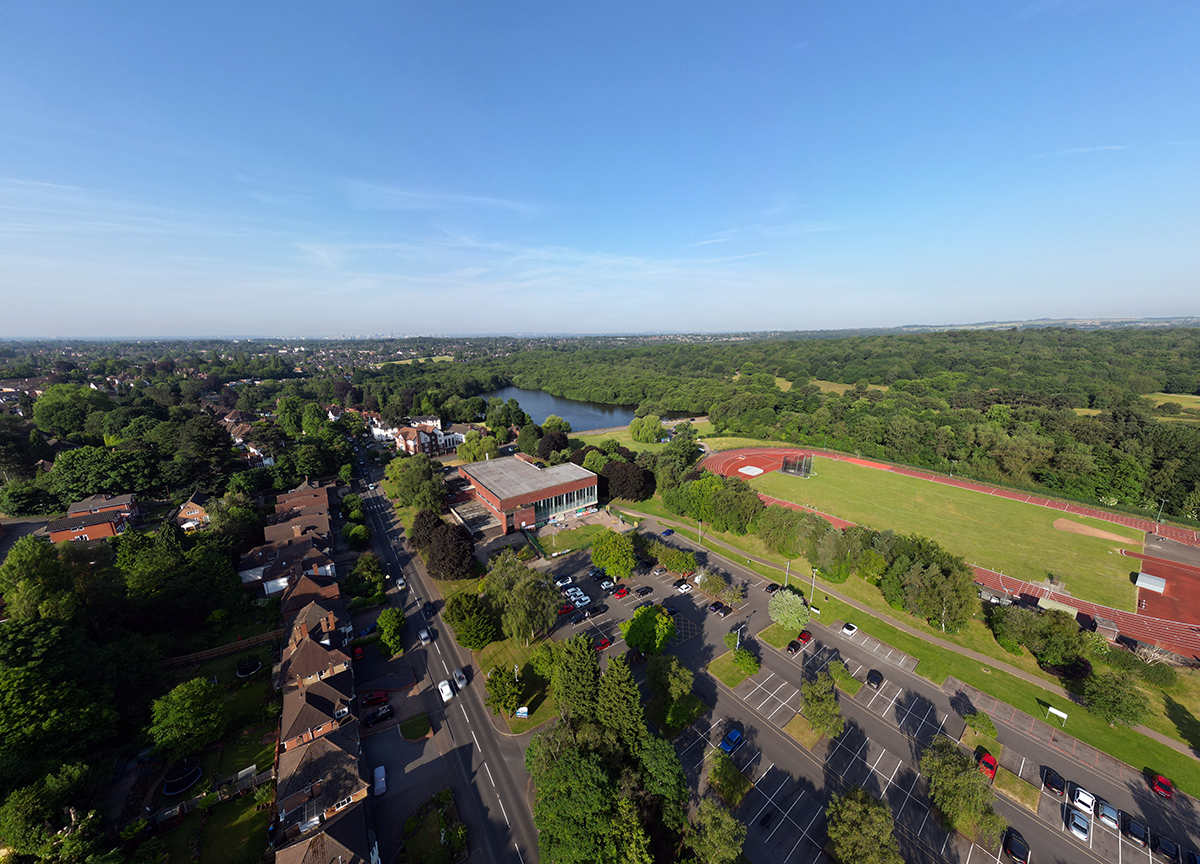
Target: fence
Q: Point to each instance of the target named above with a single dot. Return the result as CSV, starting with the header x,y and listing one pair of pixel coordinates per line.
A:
x,y
221,651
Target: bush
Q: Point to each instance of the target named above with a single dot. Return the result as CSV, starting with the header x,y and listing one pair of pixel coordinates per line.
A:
x,y
746,661
1160,675
1009,644
1073,670
982,724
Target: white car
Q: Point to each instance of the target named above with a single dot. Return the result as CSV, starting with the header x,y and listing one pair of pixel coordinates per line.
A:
x,y
446,690
849,629
1083,800
581,602
460,680
683,587
658,571
563,581
607,585
423,635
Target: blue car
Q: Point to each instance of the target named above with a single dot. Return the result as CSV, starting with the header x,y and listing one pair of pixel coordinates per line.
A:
x,y
732,740
668,532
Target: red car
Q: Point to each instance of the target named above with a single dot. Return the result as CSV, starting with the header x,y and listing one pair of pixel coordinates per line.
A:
x,y
987,764
1162,786
603,644
621,592
377,697
565,608
804,638
359,653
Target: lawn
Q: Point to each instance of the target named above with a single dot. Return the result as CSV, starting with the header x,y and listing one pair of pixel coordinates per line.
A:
x,y
425,844
800,729
178,840
234,829
1008,536
730,783
843,679
626,440
247,750
776,636
569,540
972,740
539,694
724,671
1011,786
415,727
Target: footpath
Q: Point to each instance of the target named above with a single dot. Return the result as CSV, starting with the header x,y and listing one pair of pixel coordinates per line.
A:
x,y
738,554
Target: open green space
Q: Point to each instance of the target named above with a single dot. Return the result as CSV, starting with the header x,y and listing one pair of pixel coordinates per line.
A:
x,y
800,729
1011,537
845,682
1185,401
776,636
1011,786
626,440
539,694
972,740
724,671
568,540
234,831
415,727
726,780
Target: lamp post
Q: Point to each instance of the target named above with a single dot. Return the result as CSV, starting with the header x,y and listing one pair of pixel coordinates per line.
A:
x,y
953,462
1161,505
813,596
786,572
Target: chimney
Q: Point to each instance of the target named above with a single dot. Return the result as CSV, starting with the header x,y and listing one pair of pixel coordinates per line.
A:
x,y
303,629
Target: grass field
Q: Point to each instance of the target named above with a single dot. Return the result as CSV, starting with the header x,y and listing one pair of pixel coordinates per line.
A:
x,y
1157,399
570,540
1011,786
775,636
1013,538
972,740
539,694
730,783
626,440
840,388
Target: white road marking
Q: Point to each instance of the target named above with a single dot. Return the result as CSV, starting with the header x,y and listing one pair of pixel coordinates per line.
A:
x,y
464,710
505,812
519,855
476,739
489,773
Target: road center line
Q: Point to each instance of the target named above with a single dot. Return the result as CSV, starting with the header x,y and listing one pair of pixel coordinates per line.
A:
x,y
489,773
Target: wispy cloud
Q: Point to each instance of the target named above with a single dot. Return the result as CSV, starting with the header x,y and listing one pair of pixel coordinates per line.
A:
x,y
707,242
376,196
1075,151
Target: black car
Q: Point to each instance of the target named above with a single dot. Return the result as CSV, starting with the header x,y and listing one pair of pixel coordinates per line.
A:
x,y
645,604
428,611
1054,783
671,610
794,646
598,610
1015,847
773,587
1165,849
874,679
577,618
598,578
644,590
379,714
1134,830
716,607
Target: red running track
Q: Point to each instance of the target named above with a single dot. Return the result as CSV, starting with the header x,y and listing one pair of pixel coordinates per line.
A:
x,y
1177,636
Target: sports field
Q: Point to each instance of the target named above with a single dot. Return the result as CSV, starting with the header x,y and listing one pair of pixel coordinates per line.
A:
x,y
1011,537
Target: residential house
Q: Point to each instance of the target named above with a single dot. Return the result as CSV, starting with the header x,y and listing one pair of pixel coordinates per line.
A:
x,y
316,709
326,621
426,420
88,526
126,504
304,590
194,514
319,779
428,439
269,568
347,838
295,523
306,660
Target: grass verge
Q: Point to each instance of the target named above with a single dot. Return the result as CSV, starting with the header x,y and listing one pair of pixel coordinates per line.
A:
x,y
415,727
425,844
800,729
730,783
843,679
724,671
569,540
776,636
1013,787
539,694
972,740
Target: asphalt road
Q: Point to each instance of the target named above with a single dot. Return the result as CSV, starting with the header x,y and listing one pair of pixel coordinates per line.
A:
x,y
485,768
886,732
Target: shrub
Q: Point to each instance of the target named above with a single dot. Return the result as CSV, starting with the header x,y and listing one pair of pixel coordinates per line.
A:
x,y
1009,644
746,661
981,723
1160,675
1073,670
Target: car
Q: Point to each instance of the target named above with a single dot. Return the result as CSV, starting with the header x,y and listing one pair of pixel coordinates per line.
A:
x,y
372,486
379,714
621,592
580,602
446,691
724,611
1165,849
566,608
684,588
1193,857
793,647
577,618
658,571
1134,830
380,780
1079,825
1015,847
597,577
358,653
671,610
370,629
1083,800
773,587
375,697
1162,787
644,590
606,585
428,611
805,637
1108,814
849,629
715,607
668,532
599,610
563,581
424,636
400,583
603,644
1053,782
874,679
733,739
987,765
645,604
460,679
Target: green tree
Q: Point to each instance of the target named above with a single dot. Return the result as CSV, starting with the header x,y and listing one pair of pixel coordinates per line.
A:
x,y
504,691
424,524
357,536
577,680
450,552
531,606
649,630
629,837
668,678
619,705
981,723
960,791
554,423
475,632
860,829
477,448
574,809
34,582
647,430
746,661
717,836
821,705
391,627
614,552
1116,698
527,440
663,778
187,718
788,609
32,817
63,409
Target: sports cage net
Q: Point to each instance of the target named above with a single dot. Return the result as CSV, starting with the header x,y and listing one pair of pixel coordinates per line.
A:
x,y
799,465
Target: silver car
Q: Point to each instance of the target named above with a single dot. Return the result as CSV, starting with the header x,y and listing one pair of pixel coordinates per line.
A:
x,y
460,680
1108,814
1079,825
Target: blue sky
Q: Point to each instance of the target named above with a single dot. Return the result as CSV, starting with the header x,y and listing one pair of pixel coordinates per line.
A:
x,y
318,169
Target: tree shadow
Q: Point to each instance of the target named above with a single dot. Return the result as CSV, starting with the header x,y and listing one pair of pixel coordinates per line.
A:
x,y
1185,722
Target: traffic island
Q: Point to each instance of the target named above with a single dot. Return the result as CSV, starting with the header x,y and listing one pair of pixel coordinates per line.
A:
x,y
1014,788
800,729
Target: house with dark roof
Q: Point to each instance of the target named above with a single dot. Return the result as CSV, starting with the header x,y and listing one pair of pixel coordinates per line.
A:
x,y
88,526
347,838
304,590
297,522
316,709
317,780
268,569
102,503
326,621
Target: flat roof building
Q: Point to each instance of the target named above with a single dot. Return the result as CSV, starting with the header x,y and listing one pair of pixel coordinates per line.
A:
x,y
521,495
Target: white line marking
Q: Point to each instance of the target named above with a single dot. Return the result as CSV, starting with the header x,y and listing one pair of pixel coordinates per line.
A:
x,y
519,855
505,812
476,739
489,770
464,710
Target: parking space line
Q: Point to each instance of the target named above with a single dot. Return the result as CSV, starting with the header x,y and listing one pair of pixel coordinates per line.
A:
x,y
888,785
787,816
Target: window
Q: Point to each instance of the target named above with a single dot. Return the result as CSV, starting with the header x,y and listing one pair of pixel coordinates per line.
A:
x,y
345,802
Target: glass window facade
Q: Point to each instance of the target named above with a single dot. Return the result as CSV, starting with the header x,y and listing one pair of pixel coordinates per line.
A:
x,y
564,503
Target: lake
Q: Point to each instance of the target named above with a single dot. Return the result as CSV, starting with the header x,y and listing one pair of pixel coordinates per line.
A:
x,y
582,416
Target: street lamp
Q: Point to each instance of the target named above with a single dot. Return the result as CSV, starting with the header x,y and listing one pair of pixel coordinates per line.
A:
x,y
953,462
1162,504
813,596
